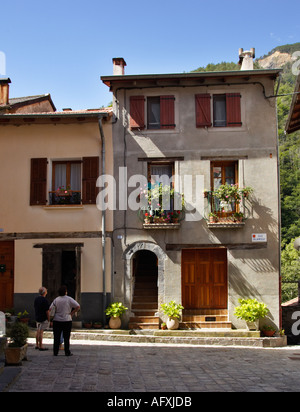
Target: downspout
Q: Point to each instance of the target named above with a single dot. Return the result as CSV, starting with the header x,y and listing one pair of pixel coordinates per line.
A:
x,y
103,219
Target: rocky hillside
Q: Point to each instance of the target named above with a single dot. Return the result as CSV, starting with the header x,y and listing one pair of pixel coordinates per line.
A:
x,y
274,61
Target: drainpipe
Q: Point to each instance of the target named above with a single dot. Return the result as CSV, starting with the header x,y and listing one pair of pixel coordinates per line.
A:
x,y
103,223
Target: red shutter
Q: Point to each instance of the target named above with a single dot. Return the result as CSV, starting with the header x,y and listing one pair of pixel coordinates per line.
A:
x,y
137,112
38,182
90,174
233,109
167,112
203,111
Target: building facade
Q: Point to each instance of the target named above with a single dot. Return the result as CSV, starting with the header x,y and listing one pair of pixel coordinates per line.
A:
x,y
193,133
51,231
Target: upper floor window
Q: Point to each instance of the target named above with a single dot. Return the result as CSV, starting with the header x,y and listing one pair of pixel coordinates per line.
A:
x,y
225,110
160,113
66,182
73,182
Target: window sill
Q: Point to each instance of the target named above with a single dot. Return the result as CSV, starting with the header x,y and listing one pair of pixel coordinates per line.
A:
x,y
63,207
161,226
226,225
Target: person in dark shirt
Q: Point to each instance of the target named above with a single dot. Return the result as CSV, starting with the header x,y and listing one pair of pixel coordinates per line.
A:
x,y
42,317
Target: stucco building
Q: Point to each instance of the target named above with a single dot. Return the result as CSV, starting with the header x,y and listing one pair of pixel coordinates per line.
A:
x,y
50,227
206,130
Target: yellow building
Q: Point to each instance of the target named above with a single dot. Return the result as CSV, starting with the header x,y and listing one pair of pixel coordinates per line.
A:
x,y
51,231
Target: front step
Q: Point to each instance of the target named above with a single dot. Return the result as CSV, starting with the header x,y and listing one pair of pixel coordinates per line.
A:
x,y
205,319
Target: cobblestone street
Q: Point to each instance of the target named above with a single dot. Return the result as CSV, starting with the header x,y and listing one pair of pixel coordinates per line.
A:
x,y
128,367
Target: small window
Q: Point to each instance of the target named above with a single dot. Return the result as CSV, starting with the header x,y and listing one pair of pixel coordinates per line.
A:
x,y
153,113
219,110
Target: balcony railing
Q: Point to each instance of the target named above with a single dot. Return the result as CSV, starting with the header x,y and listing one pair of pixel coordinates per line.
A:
x,y
70,198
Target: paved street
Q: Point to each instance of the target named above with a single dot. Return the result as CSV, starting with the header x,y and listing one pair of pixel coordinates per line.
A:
x,y
128,367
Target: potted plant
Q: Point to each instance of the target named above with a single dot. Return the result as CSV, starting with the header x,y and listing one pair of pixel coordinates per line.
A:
x,y
213,217
163,326
268,330
251,311
173,311
97,325
87,325
246,191
16,350
62,191
238,217
23,317
115,311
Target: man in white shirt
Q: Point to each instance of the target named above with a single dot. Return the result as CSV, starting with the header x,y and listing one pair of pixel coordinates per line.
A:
x,y
65,308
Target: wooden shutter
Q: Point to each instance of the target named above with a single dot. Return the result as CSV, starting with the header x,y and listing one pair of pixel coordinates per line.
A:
x,y
90,174
137,112
167,112
203,111
233,109
38,182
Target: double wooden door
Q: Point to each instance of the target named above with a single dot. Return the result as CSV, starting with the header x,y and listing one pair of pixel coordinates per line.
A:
x,y
204,278
6,275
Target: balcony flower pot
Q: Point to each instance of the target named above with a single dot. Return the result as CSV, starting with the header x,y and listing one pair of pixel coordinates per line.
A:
x,y
172,323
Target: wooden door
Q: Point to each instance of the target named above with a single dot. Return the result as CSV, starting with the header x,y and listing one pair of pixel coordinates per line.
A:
x,y
6,275
204,278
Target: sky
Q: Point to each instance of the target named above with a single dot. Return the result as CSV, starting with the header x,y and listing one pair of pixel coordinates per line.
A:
x,y
63,47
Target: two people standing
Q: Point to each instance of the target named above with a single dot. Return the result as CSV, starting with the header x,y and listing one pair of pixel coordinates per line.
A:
x,y
65,307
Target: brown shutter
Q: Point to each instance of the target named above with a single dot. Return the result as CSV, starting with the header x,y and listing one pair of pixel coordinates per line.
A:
x,y
90,174
38,182
233,109
137,112
203,111
167,113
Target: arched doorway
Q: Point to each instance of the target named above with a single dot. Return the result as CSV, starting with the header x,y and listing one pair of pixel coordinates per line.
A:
x,y
145,291
145,263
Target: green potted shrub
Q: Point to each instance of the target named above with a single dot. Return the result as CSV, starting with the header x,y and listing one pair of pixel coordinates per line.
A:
x,y
173,311
115,311
23,317
250,310
16,349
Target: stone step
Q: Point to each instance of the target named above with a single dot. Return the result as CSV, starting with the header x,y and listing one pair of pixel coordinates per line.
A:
x,y
207,338
145,318
205,325
143,325
144,298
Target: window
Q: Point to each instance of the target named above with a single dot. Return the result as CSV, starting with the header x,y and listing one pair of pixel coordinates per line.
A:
x,y
219,110
225,108
78,178
66,182
160,173
160,112
223,173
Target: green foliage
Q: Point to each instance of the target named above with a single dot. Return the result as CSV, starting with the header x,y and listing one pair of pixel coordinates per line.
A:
x,y
172,309
18,334
250,310
290,270
115,309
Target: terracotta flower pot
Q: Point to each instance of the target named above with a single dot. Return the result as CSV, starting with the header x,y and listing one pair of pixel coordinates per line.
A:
x,y
114,322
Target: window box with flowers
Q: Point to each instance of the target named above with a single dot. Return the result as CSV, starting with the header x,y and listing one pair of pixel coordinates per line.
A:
x,y
161,207
225,204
